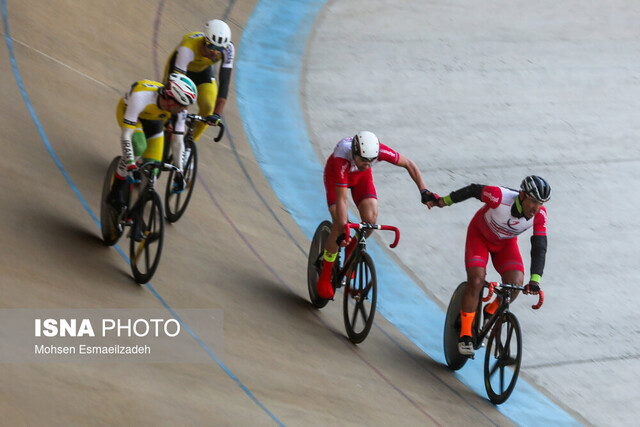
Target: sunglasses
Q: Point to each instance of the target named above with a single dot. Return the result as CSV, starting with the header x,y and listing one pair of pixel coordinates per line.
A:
x,y
365,160
534,200
211,46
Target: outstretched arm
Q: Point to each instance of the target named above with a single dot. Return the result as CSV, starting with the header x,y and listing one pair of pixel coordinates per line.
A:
x,y
413,170
427,197
464,193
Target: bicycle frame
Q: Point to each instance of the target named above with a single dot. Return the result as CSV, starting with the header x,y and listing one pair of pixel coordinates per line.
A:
x,y
504,293
190,124
150,171
351,262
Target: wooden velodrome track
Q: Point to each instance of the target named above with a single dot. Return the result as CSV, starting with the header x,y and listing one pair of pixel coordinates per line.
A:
x,y
283,362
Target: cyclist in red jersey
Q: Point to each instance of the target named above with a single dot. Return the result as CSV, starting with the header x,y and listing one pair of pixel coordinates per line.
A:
x,y
349,166
494,230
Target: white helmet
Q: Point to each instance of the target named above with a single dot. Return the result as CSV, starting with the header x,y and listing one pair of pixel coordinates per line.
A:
x,y
366,145
217,33
181,88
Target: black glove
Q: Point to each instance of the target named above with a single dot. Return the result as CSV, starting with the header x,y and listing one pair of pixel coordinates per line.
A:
x,y
532,288
214,119
427,196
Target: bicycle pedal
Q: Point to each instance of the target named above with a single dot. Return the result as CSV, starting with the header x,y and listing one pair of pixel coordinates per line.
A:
x,y
139,236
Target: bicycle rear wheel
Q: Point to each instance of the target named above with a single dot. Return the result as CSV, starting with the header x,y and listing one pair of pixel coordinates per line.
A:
x,y
111,230
176,203
314,265
452,325
502,359
360,297
146,237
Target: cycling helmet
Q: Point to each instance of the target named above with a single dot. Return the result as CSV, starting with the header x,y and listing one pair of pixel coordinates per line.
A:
x,y
181,88
217,33
366,145
537,188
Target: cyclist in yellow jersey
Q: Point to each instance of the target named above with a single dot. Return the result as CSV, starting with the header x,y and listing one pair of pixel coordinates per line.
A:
x,y
141,114
195,57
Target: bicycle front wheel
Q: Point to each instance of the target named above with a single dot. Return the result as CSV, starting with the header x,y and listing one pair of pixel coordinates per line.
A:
x,y
452,325
502,359
111,230
314,264
176,203
146,237
360,297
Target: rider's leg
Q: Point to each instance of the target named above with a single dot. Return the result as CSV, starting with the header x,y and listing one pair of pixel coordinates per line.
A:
x,y
491,308
508,262
366,199
368,209
333,198
155,144
476,257
336,193
154,133
207,94
324,287
514,277
475,281
471,296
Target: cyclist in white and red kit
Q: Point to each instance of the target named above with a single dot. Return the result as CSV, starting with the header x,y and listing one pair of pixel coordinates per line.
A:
x,y
349,167
493,231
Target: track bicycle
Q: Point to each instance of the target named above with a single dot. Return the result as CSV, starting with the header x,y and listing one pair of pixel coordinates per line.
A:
x,y
144,217
357,275
176,203
503,354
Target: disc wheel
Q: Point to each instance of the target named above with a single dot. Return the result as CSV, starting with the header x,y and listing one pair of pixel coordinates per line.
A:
x,y
176,203
314,265
146,237
452,325
502,358
111,230
360,297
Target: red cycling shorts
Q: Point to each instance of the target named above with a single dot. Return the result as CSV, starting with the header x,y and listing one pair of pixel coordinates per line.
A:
x,y
505,255
360,183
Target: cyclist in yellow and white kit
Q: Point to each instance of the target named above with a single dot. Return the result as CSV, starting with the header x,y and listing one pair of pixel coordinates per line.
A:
x,y
141,114
195,57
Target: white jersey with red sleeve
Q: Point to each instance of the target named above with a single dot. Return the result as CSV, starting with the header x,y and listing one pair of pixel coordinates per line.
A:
x,y
342,163
496,220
